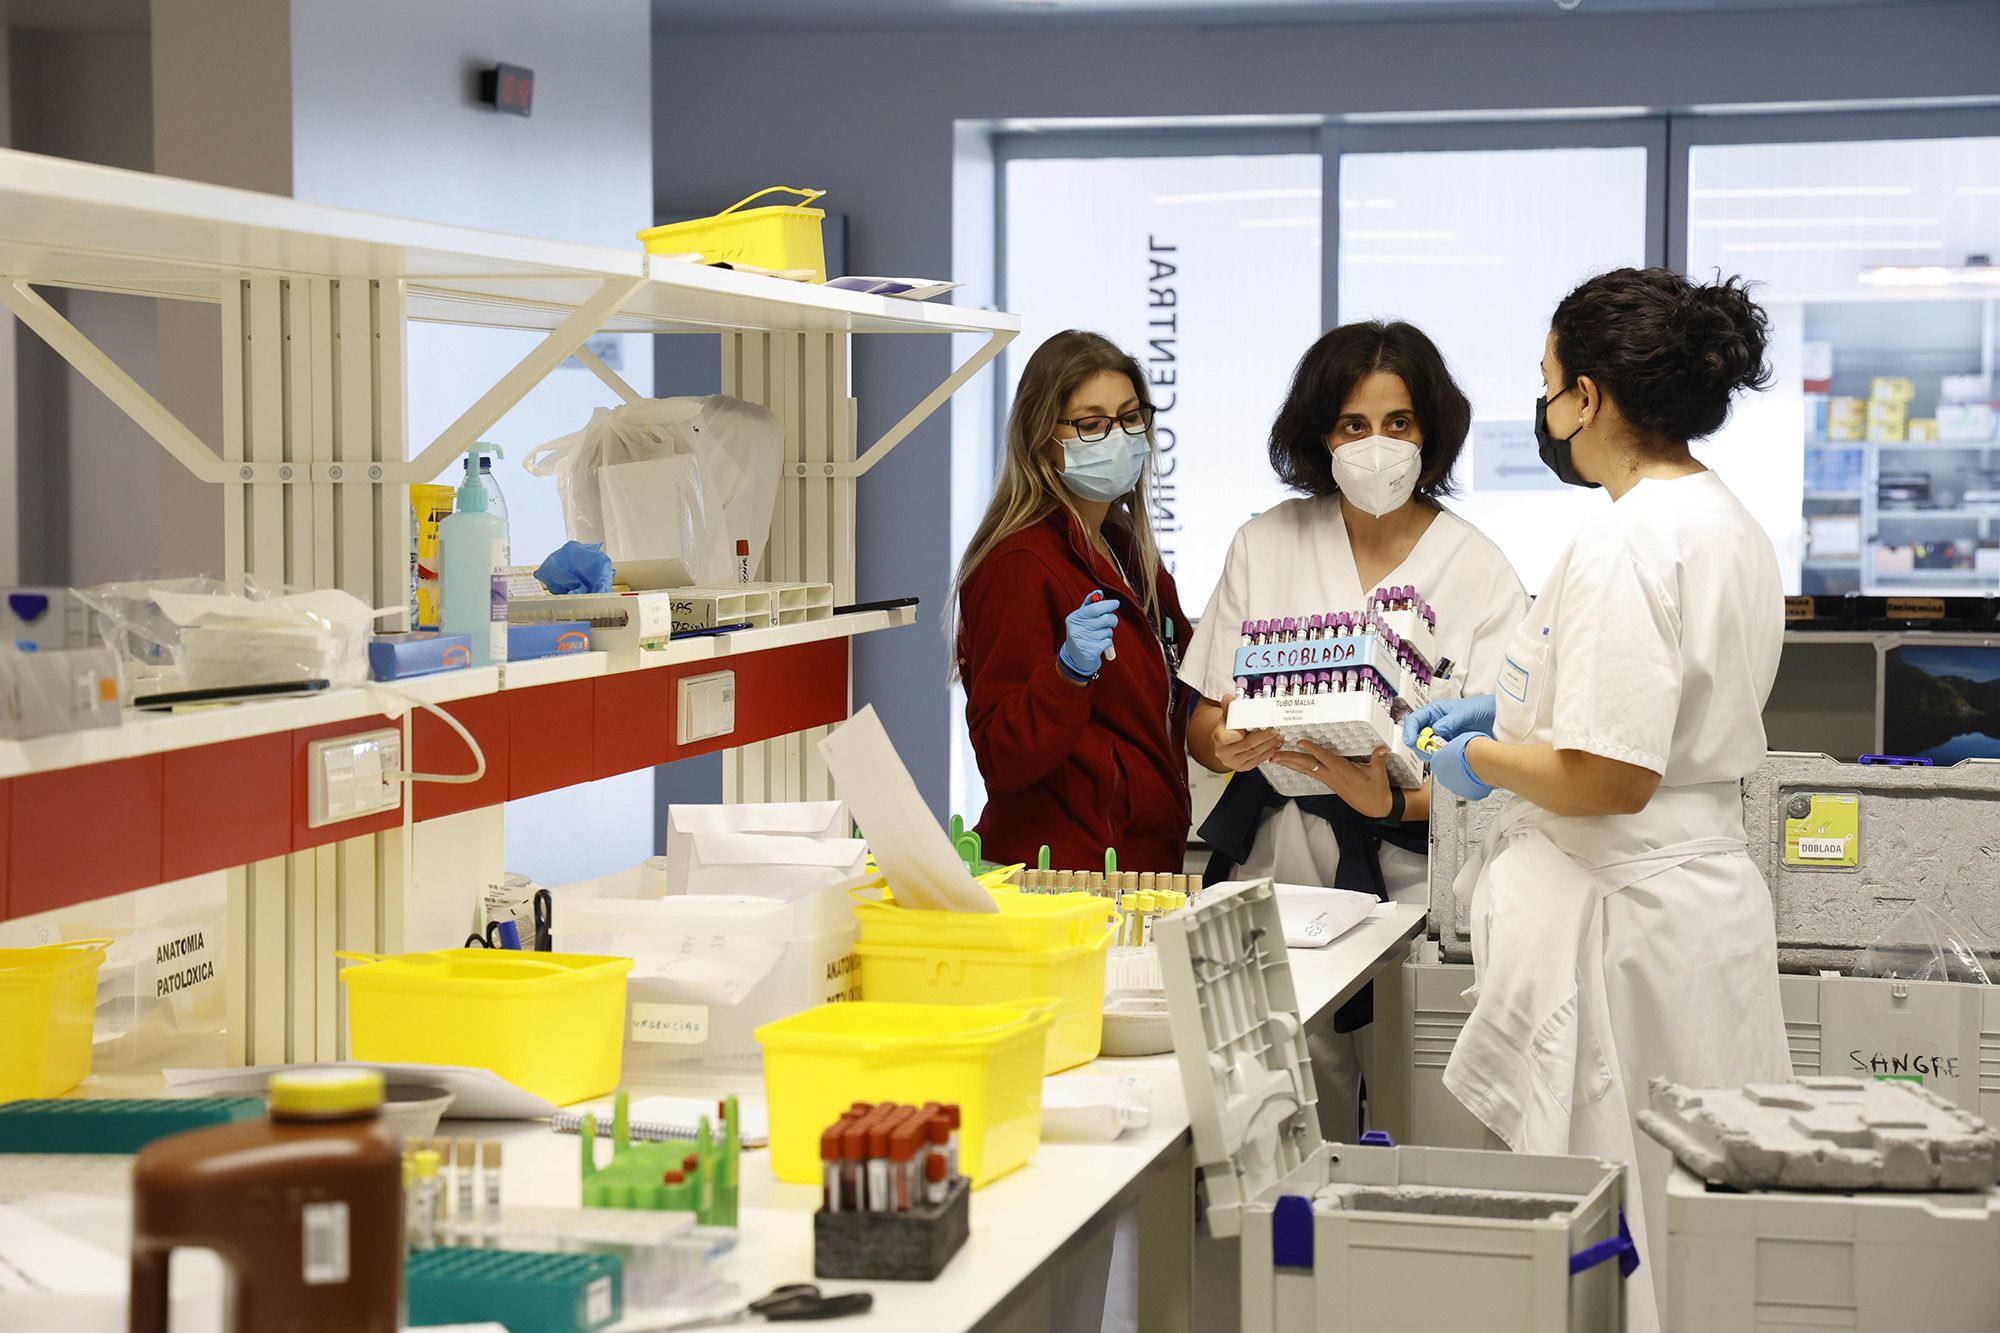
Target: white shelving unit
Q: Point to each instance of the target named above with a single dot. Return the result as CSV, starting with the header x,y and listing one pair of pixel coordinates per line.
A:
x,y
313,460
1899,525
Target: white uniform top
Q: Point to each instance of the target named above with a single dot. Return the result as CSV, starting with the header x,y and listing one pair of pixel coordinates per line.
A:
x,y
1655,642
1295,559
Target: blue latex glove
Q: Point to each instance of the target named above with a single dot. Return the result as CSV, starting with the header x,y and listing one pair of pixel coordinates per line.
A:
x,y
1087,635
1449,718
577,567
1454,771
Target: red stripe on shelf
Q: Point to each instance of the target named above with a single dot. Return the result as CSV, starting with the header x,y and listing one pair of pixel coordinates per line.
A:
x,y
83,833
549,737
442,750
778,692
226,805
304,836
6,844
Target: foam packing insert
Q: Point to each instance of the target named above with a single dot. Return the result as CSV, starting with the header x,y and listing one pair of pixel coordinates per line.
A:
x,y
1834,1134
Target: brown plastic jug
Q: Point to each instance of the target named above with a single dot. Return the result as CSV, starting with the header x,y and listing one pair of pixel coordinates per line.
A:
x,y
305,1208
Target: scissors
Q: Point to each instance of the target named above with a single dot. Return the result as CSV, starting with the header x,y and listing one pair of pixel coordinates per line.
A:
x,y
545,920
499,935
793,1302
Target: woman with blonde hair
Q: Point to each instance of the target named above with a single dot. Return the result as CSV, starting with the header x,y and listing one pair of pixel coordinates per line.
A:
x,y
1068,627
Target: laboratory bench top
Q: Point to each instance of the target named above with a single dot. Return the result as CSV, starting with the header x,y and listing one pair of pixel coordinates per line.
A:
x,y
1020,1223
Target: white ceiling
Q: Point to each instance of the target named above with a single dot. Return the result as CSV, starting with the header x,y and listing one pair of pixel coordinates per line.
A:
x,y
760,15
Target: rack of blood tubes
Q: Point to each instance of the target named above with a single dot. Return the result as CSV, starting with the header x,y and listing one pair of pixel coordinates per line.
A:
x,y
1342,680
885,1158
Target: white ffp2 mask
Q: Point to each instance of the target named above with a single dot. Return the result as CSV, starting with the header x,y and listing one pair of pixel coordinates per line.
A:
x,y
1378,474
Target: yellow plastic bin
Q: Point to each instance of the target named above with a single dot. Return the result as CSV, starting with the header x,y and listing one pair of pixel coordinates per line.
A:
x,y
552,1023
985,1058
1038,946
48,1000
778,236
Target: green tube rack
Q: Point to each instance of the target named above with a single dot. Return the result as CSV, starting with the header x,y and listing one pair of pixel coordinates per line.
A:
x,y
526,1291
113,1124
636,1175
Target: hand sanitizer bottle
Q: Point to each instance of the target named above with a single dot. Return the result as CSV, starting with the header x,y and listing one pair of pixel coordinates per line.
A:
x,y
472,548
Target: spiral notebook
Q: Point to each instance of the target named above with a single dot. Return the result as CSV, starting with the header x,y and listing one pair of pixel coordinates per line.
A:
x,y
653,1119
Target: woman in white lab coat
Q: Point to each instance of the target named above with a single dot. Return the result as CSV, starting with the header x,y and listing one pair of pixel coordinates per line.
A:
x,y
1369,433
1620,929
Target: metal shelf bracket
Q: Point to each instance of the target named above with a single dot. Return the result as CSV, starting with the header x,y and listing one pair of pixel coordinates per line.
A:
x,y
125,393
917,415
562,342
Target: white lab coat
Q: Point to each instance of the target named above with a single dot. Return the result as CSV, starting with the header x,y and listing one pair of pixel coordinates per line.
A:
x,y
1294,559
1611,950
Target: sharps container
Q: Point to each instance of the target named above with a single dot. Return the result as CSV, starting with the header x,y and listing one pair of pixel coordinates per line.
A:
x,y
305,1208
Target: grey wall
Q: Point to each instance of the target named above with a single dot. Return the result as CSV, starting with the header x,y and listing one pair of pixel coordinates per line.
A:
x,y
869,117
385,117
88,497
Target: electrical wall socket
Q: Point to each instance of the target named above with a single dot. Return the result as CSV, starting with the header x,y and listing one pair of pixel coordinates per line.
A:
x,y
351,776
708,707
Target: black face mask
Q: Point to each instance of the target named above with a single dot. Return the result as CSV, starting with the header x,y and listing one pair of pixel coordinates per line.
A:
x,y
1555,453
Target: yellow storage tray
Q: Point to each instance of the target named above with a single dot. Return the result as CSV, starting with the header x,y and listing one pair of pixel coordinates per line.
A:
x,y
987,1059
48,1002
780,236
551,1023
1038,946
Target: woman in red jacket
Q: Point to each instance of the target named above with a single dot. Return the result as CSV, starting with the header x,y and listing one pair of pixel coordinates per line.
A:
x,y
1068,629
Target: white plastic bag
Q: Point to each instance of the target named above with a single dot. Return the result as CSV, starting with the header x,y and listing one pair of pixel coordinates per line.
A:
x,y
1923,944
669,485
201,633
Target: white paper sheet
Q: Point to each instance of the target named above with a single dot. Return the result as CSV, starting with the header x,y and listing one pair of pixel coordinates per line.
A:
x,y
64,1265
910,847
477,1094
816,820
1315,917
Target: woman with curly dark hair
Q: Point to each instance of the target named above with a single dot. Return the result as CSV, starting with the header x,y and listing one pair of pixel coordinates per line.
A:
x,y
1621,931
1369,434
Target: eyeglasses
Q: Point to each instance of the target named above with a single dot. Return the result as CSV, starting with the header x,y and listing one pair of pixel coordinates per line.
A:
x,y
1092,429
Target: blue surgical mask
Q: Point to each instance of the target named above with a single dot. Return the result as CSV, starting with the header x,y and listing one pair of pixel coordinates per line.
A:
x,y
1105,469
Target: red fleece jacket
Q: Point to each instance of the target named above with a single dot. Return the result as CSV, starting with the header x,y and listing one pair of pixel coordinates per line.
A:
x,y
1079,767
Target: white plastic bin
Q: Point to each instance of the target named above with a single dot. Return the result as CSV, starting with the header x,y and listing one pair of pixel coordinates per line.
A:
x,y
1461,1263
1439,1238
1944,1035
708,971
1880,1263
1435,1011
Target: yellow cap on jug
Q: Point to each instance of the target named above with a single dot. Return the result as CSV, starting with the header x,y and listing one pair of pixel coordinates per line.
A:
x,y
325,1091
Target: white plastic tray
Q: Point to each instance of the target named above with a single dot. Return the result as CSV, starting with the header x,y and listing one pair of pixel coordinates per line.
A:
x,y
1352,724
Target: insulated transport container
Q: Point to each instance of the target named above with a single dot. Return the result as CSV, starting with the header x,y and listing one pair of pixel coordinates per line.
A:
x,y
1737,1263
1942,1035
1908,846
1371,1238
985,1058
550,1023
1038,946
